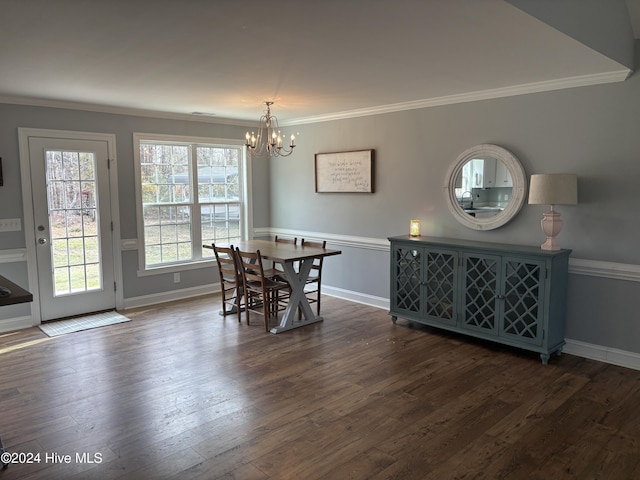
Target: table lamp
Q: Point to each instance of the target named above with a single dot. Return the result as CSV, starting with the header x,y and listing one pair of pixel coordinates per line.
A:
x,y
553,189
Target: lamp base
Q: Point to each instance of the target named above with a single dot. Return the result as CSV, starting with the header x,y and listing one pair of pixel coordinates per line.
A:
x,y
551,224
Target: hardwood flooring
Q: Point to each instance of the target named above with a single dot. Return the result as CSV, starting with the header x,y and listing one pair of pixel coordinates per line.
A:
x,y
180,392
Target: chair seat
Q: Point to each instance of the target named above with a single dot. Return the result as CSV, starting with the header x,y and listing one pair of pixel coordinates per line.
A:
x,y
268,283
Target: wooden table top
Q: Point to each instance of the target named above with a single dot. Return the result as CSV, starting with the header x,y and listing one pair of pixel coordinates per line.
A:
x,y
18,294
283,252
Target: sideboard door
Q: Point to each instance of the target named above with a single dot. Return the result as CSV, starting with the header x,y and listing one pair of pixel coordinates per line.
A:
x,y
441,285
480,278
406,280
523,304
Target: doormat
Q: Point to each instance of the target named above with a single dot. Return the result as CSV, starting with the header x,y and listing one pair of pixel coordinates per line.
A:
x,y
62,327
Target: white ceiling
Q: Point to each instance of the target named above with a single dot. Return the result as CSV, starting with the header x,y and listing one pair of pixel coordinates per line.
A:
x,y
316,59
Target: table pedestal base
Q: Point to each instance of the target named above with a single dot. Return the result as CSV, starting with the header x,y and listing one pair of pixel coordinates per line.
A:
x,y
298,300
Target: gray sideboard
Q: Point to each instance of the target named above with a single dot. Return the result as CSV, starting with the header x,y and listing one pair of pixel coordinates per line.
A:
x,y
511,294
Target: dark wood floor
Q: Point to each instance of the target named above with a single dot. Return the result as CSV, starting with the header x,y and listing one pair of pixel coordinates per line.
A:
x,y
181,393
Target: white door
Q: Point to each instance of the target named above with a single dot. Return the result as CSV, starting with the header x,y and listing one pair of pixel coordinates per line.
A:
x,y
72,225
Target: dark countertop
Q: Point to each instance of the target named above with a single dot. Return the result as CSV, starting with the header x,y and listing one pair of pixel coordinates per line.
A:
x,y
18,294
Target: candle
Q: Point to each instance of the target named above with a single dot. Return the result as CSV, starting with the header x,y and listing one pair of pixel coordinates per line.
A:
x,y
414,228
293,140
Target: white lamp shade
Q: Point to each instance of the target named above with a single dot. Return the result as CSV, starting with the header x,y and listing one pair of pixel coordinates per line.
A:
x,y
553,189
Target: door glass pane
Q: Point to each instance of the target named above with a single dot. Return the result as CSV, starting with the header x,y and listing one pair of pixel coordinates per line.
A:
x,y
73,222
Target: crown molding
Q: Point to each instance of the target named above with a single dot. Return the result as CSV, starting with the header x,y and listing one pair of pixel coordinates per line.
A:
x,y
89,107
536,87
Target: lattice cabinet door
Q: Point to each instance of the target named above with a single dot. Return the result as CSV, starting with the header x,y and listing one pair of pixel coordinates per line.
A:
x,y
481,288
523,300
407,273
441,285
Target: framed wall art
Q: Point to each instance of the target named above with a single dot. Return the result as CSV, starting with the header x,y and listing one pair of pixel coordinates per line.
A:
x,y
344,172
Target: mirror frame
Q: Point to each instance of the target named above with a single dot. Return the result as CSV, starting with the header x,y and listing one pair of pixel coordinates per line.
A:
x,y
518,190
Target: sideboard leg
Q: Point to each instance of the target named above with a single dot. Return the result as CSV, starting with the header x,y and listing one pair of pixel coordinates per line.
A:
x,y
394,319
545,358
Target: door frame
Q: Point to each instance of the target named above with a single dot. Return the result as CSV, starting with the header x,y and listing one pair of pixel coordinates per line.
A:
x,y
27,208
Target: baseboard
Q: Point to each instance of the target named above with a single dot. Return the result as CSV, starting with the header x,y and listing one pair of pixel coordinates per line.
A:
x,y
603,354
163,297
357,297
16,323
591,351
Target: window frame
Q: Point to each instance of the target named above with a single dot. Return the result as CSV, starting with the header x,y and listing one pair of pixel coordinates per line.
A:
x,y
244,175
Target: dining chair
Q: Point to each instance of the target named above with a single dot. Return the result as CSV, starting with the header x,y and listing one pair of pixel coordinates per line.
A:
x,y
230,279
277,269
293,241
315,276
262,294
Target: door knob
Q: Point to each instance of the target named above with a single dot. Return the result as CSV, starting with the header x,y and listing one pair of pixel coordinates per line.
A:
x,y
42,241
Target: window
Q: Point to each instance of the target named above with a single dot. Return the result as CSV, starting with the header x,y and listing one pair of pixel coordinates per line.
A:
x,y
189,194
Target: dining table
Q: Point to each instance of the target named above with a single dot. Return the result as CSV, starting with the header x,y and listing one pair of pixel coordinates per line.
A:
x,y
296,261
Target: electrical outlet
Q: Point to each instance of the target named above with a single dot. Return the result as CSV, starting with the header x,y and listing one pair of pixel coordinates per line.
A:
x,y
176,277
10,225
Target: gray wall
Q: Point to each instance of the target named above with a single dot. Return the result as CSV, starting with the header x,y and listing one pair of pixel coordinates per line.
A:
x,y
591,131
123,126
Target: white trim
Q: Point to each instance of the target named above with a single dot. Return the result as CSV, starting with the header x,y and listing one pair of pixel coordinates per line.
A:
x,y
577,266
600,353
16,323
572,347
163,297
27,202
591,351
129,244
357,297
13,255
596,268
381,244
178,267
161,138
618,271
535,87
90,107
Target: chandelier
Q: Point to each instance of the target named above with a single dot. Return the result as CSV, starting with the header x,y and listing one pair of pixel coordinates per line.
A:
x,y
269,140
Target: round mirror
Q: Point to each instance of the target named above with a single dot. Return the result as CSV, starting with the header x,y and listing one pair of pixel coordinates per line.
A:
x,y
486,187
